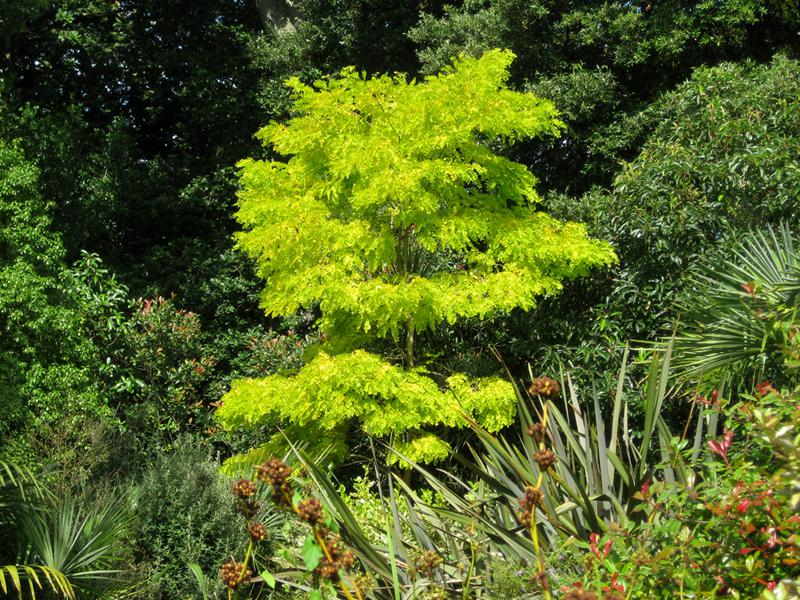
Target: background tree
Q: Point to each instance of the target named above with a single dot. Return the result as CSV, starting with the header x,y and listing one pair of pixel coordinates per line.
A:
x,y
394,215
719,163
46,358
631,51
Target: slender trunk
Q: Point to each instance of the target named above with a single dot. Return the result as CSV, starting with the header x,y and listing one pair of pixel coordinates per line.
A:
x,y
410,344
404,270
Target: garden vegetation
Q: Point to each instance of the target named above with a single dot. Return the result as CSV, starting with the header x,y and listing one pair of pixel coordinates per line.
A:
x,y
480,299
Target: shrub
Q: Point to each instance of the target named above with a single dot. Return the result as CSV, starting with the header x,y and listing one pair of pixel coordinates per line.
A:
x,y
185,516
732,529
159,373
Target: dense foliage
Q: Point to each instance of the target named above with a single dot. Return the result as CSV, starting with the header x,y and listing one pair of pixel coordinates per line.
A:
x,y
46,355
414,284
393,216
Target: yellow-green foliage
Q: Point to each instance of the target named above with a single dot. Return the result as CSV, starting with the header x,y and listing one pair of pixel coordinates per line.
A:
x,y
333,390
393,215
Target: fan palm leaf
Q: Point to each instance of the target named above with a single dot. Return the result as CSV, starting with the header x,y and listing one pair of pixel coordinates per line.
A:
x,y
81,544
55,545
734,318
22,494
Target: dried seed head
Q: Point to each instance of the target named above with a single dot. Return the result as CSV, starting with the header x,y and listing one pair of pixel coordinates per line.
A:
x,y
234,574
277,474
335,546
328,570
537,432
258,532
533,497
546,388
243,488
274,472
545,459
310,510
525,518
347,560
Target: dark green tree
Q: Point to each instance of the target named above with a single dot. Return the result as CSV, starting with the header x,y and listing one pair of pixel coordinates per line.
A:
x,y
137,110
600,61
720,162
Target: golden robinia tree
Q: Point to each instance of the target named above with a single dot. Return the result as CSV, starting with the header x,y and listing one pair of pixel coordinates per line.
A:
x,y
392,214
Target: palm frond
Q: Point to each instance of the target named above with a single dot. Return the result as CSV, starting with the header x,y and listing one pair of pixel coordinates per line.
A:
x,y
600,469
25,579
82,544
732,318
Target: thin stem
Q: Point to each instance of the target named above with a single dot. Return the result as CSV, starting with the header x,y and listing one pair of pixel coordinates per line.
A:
x,y
410,344
465,593
328,556
246,559
325,551
534,531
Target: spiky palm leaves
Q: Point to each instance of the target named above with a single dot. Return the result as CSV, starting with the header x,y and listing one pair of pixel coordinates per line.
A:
x,y
20,492
743,312
55,545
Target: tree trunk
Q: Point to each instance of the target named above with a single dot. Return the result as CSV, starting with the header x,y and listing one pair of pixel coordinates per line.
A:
x,y
410,345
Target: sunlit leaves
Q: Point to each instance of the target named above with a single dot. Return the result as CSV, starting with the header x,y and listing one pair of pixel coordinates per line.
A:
x,y
380,164
392,215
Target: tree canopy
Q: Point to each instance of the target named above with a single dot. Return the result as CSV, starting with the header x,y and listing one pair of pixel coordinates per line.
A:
x,y
393,214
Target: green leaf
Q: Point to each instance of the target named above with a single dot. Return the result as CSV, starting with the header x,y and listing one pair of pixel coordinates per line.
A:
x,y
312,553
268,578
390,213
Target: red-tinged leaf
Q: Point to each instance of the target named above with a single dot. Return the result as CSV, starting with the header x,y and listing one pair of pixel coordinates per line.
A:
x,y
721,448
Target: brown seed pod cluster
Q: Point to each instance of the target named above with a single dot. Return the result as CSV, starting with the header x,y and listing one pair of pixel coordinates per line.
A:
x,y
234,574
427,562
578,593
545,388
541,580
537,431
249,508
327,569
310,511
545,459
533,497
258,532
341,559
243,488
347,560
276,473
